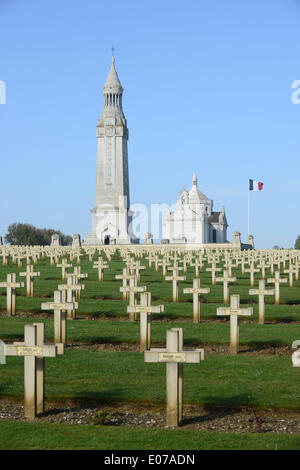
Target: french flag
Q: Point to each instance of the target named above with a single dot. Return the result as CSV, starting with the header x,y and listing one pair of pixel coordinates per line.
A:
x,y
255,185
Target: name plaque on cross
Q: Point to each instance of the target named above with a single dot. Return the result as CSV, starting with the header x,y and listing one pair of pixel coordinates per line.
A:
x,y
232,311
56,306
29,351
259,292
145,308
171,357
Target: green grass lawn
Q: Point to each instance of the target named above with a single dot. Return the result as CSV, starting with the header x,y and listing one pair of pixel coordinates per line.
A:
x,y
111,376
117,332
32,436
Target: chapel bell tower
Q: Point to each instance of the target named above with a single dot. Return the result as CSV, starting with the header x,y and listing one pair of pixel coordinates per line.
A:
x,y
111,216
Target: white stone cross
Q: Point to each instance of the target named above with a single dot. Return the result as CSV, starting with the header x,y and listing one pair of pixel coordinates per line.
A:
x,y
228,266
125,277
296,266
174,356
197,264
133,290
64,265
156,262
263,266
91,255
234,311
11,285
34,351
59,308
187,261
30,275
151,259
135,266
5,258
277,281
175,268
175,279
145,309
77,275
20,260
100,265
272,262
164,263
252,270
40,365
213,270
291,271
68,291
196,290
243,261
261,292
225,279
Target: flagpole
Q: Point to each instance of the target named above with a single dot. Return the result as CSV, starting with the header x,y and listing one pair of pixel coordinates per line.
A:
x,y
248,209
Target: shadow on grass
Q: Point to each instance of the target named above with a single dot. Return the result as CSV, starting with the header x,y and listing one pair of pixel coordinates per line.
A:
x,y
84,401
12,336
287,319
260,346
219,407
106,396
105,340
252,345
292,302
105,315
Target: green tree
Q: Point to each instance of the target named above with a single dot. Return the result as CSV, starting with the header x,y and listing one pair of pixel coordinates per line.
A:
x,y
297,243
26,234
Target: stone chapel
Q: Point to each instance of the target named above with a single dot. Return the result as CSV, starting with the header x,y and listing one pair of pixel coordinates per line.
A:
x,y
194,221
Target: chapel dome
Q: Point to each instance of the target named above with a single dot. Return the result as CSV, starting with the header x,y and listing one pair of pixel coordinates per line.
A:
x,y
194,193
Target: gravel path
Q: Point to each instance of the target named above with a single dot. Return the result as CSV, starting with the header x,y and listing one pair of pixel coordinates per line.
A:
x,y
146,416
244,350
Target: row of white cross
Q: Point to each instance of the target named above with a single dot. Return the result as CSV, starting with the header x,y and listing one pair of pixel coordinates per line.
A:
x,y
34,348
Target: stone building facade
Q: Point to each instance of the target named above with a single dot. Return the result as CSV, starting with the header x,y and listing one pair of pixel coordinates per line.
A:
x,y
194,221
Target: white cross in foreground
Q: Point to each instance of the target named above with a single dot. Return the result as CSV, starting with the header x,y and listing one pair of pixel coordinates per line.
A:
x,y
174,356
34,351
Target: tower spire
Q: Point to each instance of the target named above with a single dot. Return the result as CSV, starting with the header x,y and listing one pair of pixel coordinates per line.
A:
x,y
113,91
112,84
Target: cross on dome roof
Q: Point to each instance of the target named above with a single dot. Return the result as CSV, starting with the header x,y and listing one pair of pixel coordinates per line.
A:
x,y
194,192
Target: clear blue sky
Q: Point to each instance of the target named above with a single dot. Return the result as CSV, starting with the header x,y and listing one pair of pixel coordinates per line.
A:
x,y
207,89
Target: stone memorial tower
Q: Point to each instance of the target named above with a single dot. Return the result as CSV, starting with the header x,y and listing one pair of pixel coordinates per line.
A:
x,y
111,216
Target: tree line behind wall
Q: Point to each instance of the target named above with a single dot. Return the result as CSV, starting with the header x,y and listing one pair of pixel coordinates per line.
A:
x,y
26,234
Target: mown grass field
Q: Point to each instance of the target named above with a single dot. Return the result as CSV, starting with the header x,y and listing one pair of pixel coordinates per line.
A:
x,y
62,437
83,374
220,380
